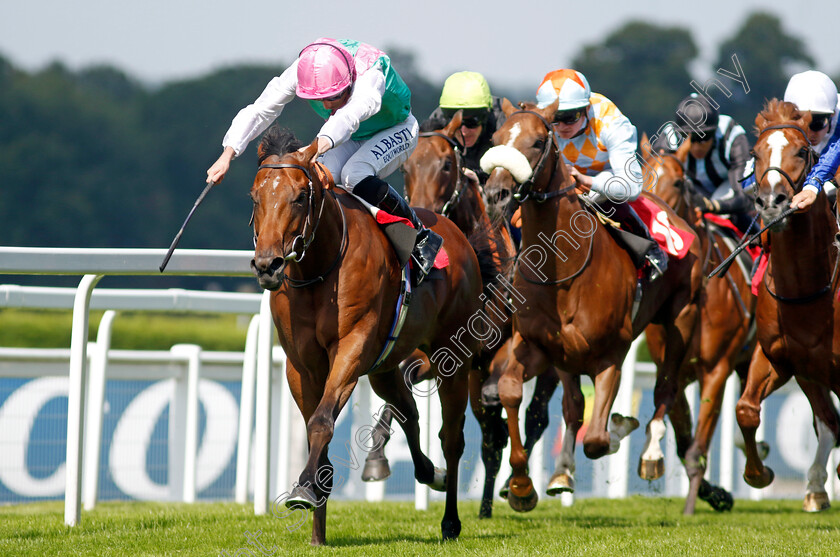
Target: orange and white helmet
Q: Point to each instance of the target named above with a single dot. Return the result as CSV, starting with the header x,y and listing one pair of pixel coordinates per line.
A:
x,y
568,86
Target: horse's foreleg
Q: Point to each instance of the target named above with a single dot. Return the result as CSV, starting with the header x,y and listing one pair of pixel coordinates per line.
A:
x,y
711,399
523,359
391,387
597,441
762,379
563,478
826,427
453,399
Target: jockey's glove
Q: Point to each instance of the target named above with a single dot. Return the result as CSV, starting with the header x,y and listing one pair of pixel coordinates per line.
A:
x,y
705,204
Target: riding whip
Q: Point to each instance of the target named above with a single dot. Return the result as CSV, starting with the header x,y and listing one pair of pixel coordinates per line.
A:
x,y
724,266
189,216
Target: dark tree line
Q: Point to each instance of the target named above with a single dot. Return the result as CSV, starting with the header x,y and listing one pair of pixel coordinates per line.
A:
x,y
95,158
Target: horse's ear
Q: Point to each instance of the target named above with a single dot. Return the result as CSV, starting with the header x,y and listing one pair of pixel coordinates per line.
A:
x,y
310,152
644,147
548,112
454,124
507,107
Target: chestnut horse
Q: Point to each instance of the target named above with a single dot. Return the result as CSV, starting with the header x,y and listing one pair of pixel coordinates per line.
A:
x,y
577,312
797,313
434,179
722,340
336,283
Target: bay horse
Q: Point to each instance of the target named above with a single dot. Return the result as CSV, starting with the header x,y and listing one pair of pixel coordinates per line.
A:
x,y
577,312
435,179
797,311
722,341
336,282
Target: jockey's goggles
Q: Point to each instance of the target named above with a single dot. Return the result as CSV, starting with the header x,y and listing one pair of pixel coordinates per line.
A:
x,y
701,137
819,122
472,122
568,117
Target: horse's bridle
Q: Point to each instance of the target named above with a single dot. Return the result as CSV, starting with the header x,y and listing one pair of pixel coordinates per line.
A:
x,y
525,190
294,255
796,186
459,184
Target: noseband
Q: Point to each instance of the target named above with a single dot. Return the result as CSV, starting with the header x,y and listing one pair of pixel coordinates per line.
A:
x,y
459,184
525,190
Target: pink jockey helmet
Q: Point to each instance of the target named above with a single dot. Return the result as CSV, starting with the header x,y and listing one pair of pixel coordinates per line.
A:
x,y
325,69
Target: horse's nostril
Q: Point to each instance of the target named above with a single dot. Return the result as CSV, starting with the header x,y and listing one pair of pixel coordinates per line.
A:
x,y
780,199
759,201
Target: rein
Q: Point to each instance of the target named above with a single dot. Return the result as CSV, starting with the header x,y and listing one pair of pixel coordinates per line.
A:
x,y
453,200
294,255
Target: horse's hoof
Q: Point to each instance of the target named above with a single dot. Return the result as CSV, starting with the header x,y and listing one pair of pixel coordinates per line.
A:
x,y
525,500
376,470
486,509
717,497
438,483
504,491
560,483
490,395
651,469
762,480
301,498
763,449
450,529
624,424
816,502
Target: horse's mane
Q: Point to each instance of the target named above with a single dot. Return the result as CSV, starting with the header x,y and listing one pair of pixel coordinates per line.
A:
x,y
776,111
277,141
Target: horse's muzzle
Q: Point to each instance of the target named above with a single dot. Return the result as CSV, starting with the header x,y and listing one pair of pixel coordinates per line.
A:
x,y
269,271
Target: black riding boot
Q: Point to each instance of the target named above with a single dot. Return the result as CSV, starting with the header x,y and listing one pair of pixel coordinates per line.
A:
x,y
380,194
655,255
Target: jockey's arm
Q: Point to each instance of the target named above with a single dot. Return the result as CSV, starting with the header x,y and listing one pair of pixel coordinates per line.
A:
x,y
252,120
623,181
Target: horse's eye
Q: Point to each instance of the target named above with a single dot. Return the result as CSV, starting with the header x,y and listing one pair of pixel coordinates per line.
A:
x,y
447,165
300,199
803,153
253,195
539,143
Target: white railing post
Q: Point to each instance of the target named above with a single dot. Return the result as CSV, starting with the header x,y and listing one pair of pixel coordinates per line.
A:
x,y
262,423
727,432
246,412
95,403
281,425
76,399
619,462
188,414
424,411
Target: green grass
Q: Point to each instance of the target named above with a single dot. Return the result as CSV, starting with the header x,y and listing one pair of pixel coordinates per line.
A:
x,y
131,331
591,527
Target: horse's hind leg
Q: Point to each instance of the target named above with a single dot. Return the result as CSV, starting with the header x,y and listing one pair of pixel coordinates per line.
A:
x,y
563,478
376,468
826,426
762,380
